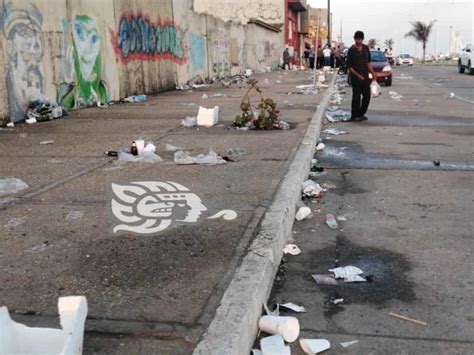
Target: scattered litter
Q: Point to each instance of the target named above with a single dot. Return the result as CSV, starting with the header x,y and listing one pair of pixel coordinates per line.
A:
x,y
348,343
10,125
282,125
315,174
278,81
320,147
23,135
337,300
324,279
436,162
208,117
287,327
303,213
452,95
294,307
20,339
375,89
334,131
348,273
74,215
199,86
274,345
46,142
45,245
395,96
235,152
331,222
42,110
15,222
408,319
12,186
248,72
256,352
275,312
172,148
226,84
292,249
145,157
135,98
329,186
189,122
111,153
183,87
204,96
183,158
342,218
312,189
314,346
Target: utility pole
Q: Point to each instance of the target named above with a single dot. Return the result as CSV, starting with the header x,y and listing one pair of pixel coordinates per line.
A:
x,y
329,23
450,37
315,72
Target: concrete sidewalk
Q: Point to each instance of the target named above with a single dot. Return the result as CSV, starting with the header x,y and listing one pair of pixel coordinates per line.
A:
x,y
147,293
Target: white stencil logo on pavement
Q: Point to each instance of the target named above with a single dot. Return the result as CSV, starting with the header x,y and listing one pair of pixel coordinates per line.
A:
x,y
149,207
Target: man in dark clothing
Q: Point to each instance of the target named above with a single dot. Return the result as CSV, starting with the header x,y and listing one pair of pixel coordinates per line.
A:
x,y
286,58
320,57
359,66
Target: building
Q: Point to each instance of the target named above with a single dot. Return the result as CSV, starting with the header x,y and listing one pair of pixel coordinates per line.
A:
x,y
296,27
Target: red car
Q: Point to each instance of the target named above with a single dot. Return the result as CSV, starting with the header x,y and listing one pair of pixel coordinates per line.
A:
x,y
382,67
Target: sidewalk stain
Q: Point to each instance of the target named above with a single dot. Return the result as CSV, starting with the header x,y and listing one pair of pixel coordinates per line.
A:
x,y
387,270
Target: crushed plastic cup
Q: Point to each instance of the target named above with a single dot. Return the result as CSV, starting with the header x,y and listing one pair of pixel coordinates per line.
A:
x,y
287,327
274,345
331,221
320,147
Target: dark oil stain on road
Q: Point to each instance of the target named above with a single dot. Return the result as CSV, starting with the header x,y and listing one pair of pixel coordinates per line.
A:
x,y
387,271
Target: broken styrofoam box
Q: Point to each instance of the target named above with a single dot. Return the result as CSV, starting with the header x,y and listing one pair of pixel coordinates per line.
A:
x,y
16,338
208,117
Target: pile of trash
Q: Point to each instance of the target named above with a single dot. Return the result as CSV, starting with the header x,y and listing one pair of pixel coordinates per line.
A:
x,y
135,98
43,110
334,114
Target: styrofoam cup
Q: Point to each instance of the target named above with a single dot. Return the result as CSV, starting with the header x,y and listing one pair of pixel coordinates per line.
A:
x,y
287,327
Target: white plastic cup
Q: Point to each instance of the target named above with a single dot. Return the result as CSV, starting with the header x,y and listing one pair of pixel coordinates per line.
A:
x,y
287,327
140,145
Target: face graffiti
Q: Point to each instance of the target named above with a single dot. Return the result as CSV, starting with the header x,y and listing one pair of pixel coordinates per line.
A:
x,y
24,55
84,57
87,43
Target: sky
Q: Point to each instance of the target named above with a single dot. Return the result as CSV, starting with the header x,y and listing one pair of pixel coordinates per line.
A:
x,y
391,19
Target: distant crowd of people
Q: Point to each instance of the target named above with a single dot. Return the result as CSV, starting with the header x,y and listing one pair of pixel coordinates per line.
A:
x,y
326,56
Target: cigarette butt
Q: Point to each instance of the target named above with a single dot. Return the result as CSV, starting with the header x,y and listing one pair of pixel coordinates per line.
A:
x,y
408,319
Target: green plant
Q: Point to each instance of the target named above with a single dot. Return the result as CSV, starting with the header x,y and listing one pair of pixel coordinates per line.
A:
x,y
262,115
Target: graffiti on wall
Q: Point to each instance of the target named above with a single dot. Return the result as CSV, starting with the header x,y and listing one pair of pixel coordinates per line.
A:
x,y
24,46
197,51
268,53
83,84
138,38
220,52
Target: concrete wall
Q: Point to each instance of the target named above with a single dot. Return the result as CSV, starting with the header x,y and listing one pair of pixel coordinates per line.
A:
x,y
242,11
87,52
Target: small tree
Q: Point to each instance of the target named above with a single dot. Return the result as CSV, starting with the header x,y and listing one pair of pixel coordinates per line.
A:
x,y
421,33
389,44
372,43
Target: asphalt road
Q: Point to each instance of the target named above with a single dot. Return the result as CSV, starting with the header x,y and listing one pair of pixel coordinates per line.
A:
x,y
408,224
444,78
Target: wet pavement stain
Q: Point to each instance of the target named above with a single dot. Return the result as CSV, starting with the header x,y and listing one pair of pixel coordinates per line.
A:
x,y
387,271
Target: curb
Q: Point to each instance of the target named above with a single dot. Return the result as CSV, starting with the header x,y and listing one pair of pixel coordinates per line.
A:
x,y
233,328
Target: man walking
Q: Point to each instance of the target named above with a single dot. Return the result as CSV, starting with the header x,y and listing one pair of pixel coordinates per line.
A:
x,y
358,63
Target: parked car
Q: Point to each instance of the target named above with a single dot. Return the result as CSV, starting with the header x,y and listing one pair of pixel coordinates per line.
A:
x,y
382,68
405,59
466,60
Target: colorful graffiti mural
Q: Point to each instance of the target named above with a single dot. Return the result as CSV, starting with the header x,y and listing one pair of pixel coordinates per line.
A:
x,y
84,86
138,38
197,51
24,45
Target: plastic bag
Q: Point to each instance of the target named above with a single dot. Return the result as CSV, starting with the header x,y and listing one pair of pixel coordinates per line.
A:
x,y
375,89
